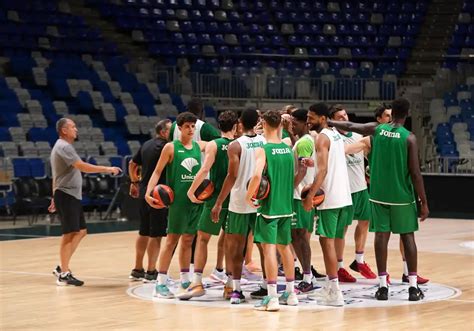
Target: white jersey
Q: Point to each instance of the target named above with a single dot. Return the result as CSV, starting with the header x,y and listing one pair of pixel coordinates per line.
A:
x,y
197,131
248,145
336,184
310,171
355,164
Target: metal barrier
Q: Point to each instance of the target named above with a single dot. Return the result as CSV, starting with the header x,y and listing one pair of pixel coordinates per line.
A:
x,y
450,165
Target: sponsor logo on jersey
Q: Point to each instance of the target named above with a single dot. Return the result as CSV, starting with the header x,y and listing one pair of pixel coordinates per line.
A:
x,y
280,151
390,134
253,145
189,163
224,147
187,178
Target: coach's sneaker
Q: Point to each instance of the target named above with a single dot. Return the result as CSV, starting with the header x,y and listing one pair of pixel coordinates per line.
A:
x,y
259,294
415,294
317,275
363,269
162,291
420,280
268,303
237,297
150,276
289,299
382,294
137,274
192,291
345,277
67,278
227,292
333,297
218,276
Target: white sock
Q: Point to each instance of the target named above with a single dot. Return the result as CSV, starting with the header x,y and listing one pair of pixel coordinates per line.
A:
x,y
307,278
405,268
360,257
184,277
264,284
197,278
162,278
272,290
236,285
229,281
413,280
290,286
340,264
383,281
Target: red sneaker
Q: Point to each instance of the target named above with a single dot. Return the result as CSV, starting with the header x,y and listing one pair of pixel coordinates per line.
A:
x,y
345,277
420,279
363,269
388,280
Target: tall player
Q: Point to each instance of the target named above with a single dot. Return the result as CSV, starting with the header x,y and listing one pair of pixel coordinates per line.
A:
x,y
336,210
360,202
273,226
394,163
242,217
182,159
215,162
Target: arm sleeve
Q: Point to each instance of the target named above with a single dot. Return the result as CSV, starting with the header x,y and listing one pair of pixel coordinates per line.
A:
x,y
304,148
208,132
68,154
137,158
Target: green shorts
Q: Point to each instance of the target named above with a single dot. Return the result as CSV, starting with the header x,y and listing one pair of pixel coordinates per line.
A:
x,y
396,219
302,219
361,205
183,218
240,223
273,230
332,222
207,225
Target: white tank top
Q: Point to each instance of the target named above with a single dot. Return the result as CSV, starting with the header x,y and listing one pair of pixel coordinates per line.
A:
x,y
248,145
310,171
197,131
336,184
355,164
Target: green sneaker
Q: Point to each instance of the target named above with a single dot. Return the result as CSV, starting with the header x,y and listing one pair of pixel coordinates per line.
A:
x,y
289,299
268,303
162,291
182,290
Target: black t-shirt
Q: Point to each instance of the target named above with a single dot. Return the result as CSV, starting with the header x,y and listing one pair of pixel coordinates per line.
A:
x,y
147,157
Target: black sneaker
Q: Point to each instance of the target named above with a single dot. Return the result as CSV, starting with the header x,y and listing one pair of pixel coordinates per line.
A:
x,y
382,294
298,274
316,274
137,274
57,271
415,294
304,287
259,294
150,276
281,271
68,279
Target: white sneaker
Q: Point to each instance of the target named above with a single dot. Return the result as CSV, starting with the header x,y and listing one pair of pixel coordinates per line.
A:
x,y
289,299
318,294
218,276
268,303
333,298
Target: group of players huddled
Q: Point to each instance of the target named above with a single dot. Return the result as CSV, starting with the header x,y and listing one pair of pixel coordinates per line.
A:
x,y
300,153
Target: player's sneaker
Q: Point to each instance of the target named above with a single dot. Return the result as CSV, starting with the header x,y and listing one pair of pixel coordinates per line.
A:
x,y
415,294
298,274
304,287
268,303
162,291
281,271
253,267
218,276
192,291
227,292
150,276
289,299
250,276
345,277
259,294
332,297
137,274
182,289
363,269
57,271
382,294
316,274
389,282
68,279
237,297
420,280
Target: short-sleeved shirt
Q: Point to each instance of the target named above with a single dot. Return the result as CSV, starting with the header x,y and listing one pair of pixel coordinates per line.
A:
x,y
66,178
147,157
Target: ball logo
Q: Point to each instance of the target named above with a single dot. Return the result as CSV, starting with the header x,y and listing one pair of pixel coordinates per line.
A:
x,y
189,163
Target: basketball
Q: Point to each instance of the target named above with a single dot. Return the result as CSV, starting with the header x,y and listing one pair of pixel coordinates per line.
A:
x,y
317,199
205,190
263,189
163,194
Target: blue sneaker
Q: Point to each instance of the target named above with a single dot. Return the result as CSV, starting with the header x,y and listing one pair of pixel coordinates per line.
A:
x,y
268,303
162,291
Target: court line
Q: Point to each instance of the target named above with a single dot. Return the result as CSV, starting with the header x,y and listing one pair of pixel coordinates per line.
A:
x,y
50,274
23,235
461,300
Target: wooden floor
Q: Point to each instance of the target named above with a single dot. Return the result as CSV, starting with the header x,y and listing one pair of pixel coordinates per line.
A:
x,y
29,298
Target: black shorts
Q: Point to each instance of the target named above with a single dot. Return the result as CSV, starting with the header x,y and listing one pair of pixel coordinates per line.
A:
x,y
70,212
153,222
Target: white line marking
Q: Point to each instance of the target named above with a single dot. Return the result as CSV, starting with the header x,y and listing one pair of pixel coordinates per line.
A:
x,y
51,274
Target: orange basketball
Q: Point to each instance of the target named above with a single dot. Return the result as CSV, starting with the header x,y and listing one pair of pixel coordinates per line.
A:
x,y
163,194
317,199
205,190
263,189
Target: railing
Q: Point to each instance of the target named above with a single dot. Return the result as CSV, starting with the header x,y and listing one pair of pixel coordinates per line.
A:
x,y
450,165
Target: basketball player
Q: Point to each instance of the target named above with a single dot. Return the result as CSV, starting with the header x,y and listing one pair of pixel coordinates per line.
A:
x,y
66,167
336,210
215,162
394,164
273,226
360,202
242,217
182,159
153,222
